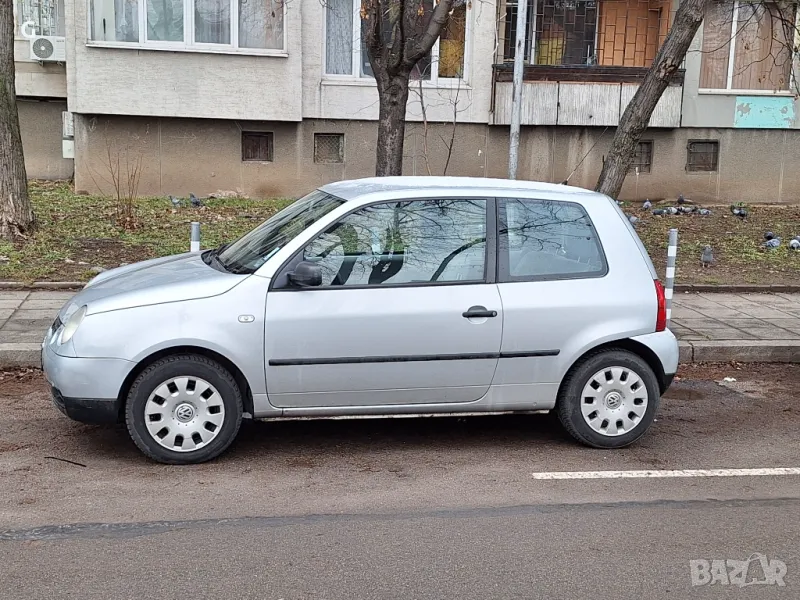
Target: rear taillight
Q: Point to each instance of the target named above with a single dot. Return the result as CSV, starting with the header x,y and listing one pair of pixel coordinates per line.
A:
x,y
661,317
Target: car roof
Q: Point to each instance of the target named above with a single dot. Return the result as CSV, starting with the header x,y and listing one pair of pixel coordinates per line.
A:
x,y
412,185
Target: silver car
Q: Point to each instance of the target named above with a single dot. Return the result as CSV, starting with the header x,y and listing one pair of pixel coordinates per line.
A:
x,y
378,297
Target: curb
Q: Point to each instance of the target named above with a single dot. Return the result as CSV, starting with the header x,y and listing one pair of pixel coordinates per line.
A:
x,y
755,351
735,289
42,285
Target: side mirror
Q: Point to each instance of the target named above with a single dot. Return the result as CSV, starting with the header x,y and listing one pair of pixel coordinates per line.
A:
x,y
306,274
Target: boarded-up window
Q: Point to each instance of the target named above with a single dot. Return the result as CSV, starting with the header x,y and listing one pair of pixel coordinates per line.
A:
x,y
762,34
257,145
642,157
702,155
631,31
328,147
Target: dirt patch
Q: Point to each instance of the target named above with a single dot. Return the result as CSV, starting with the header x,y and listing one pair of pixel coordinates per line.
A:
x,y
736,244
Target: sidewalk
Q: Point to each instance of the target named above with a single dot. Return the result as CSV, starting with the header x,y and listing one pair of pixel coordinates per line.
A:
x,y
712,327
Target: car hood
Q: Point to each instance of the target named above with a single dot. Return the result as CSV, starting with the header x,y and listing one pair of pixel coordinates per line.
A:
x,y
168,279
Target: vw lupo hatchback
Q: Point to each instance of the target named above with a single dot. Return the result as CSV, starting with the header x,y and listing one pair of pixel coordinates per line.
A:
x,y
378,297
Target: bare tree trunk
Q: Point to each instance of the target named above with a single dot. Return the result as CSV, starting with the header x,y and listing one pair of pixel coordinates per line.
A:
x,y
393,95
16,215
636,116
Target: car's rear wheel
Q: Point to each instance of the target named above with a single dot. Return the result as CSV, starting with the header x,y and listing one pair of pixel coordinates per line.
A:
x,y
184,409
609,399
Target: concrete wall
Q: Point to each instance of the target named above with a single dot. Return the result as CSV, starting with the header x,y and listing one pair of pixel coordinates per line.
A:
x,y
204,156
40,124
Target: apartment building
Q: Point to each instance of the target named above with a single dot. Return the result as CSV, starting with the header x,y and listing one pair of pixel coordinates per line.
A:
x,y
274,97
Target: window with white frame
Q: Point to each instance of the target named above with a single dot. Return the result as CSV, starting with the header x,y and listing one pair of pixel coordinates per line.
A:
x,y
346,52
748,45
250,26
44,17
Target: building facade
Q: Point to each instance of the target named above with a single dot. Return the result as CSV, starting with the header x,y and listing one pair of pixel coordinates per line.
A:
x,y
275,97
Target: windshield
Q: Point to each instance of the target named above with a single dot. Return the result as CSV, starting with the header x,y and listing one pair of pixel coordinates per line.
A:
x,y
252,250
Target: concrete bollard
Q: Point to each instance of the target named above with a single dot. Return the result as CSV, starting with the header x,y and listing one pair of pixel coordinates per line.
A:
x,y
194,244
669,285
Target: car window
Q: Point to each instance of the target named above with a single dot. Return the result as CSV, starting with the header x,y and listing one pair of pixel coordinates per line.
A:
x,y
543,239
418,241
252,250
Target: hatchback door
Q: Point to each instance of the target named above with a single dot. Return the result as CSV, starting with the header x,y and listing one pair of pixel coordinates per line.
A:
x,y
405,313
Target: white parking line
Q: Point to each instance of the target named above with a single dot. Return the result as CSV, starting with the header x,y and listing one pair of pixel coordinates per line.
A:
x,y
658,474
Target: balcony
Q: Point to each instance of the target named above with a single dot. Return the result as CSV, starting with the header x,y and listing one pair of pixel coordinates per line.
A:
x,y
585,59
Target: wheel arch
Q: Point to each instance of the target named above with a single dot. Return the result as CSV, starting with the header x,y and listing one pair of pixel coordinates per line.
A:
x,y
634,347
238,375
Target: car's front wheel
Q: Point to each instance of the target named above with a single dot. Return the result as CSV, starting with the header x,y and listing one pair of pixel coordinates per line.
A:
x,y
184,409
609,399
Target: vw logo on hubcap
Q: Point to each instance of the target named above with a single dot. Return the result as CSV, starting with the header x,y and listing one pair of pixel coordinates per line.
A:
x,y
184,412
613,400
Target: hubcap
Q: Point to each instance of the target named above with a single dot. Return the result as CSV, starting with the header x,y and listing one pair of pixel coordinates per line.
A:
x,y
614,401
184,414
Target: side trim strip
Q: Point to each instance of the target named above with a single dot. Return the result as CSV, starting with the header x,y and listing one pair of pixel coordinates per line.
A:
x,y
346,360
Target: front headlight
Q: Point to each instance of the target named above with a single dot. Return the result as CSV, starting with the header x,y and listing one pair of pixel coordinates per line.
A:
x,y
72,324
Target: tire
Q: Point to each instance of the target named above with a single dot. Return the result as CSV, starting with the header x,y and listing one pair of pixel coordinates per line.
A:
x,y
201,419
625,407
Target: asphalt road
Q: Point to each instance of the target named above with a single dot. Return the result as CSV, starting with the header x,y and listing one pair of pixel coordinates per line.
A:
x,y
409,508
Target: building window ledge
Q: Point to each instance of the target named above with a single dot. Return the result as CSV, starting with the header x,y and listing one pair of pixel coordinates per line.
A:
x,y
441,84
781,93
189,49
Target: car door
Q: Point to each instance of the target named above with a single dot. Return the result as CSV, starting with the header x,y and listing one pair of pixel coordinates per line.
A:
x,y
552,280
407,312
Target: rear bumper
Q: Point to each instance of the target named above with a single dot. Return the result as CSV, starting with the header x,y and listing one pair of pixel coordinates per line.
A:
x,y
87,410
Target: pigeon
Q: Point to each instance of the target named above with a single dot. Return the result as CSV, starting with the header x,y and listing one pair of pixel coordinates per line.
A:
x,y
633,220
739,211
196,202
707,257
769,235
703,212
176,202
647,205
772,244
794,244
686,210
659,212
670,210
681,199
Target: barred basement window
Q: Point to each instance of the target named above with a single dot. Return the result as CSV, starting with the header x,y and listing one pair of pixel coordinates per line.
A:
x,y
257,146
328,147
702,155
642,157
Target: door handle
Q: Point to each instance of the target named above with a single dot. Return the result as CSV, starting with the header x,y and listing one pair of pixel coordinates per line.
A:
x,y
477,312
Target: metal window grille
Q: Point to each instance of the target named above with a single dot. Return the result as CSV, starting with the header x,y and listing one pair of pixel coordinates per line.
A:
x,y
642,157
702,155
328,147
257,146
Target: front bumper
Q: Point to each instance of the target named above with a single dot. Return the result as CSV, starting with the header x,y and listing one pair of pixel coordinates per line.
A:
x,y
88,410
85,389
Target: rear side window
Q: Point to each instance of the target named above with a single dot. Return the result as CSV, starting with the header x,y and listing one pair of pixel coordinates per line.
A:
x,y
544,239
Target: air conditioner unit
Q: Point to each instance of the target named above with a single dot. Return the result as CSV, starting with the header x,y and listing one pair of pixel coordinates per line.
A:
x,y
48,48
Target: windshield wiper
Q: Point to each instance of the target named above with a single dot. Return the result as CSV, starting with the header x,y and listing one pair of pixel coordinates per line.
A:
x,y
212,256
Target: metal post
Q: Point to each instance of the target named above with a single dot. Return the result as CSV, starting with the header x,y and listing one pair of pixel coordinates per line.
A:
x,y
516,101
194,245
672,255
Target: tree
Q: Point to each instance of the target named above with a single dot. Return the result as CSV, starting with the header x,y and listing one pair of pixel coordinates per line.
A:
x,y
16,214
636,116
398,34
